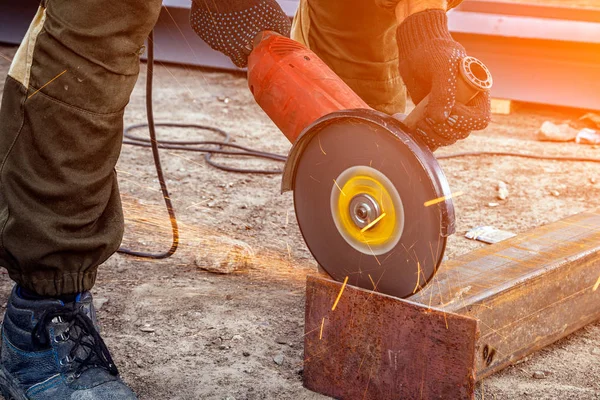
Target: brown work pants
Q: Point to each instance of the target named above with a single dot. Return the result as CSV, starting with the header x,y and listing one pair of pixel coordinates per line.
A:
x,y
61,126
357,40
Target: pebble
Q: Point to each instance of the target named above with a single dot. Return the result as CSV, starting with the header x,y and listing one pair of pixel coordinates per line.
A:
x,y
595,351
278,359
282,340
555,193
502,190
231,256
493,204
539,375
99,302
593,180
147,329
246,354
236,337
223,347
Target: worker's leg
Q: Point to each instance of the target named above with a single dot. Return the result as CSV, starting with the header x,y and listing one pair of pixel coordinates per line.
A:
x,y
61,127
357,39
60,136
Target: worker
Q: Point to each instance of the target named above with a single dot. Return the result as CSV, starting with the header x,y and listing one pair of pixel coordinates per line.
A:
x,y
61,127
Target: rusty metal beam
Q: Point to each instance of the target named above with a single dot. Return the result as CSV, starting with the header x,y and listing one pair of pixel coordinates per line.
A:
x,y
524,294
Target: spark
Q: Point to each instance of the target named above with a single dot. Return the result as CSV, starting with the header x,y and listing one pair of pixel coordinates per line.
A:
x,y
321,332
321,147
339,294
338,186
418,277
442,199
49,82
372,224
597,285
372,282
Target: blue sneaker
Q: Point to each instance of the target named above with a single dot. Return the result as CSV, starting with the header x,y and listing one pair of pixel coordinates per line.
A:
x,y
53,350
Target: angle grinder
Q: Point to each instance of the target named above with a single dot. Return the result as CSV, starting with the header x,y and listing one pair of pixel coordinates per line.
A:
x,y
371,200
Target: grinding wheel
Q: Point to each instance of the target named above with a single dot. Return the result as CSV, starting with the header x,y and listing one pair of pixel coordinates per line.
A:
x,y
360,194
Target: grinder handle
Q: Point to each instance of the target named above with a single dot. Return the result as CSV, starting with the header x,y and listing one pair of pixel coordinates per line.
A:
x,y
474,77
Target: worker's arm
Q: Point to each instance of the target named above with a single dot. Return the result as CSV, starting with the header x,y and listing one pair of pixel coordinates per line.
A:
x,y
230,26
429,65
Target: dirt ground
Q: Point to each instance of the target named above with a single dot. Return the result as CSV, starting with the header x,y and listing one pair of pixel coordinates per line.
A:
x,y
178,332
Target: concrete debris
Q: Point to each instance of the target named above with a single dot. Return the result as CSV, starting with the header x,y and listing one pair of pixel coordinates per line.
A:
x,y
502,190
539,375
223,255
99,302
550,132
588,136
488,234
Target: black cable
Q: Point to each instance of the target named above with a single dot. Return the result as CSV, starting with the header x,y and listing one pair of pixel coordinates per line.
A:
x,y
159,172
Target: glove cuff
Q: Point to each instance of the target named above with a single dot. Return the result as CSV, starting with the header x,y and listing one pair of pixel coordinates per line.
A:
x,y
420,29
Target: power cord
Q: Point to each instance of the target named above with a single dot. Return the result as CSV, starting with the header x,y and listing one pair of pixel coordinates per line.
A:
x,y
242,151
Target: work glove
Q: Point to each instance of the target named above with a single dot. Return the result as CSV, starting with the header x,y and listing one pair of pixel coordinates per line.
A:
x,y
429,64
230,26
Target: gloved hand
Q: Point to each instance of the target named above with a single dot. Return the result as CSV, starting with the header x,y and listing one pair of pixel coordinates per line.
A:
x,y
229,26
429,64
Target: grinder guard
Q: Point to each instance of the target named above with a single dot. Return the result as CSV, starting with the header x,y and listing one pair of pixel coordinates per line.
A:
x,y
305,99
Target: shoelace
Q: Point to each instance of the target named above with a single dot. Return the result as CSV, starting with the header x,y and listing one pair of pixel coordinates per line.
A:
x,y
97,354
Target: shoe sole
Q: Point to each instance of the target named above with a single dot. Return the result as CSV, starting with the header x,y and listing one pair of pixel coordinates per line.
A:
x,y
7,388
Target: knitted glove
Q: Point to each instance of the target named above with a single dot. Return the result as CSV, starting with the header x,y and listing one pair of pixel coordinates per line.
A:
x,y
229,26
429,64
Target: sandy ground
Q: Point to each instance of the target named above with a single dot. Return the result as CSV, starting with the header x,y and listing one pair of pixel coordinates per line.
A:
x,y
178,332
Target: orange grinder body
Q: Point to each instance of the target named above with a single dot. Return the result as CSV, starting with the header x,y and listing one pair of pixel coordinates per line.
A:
x,y
293,86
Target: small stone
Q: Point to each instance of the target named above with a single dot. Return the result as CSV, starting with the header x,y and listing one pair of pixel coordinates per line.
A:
x,y
99,302
246,354
595,351
555,193
223,347
493,204
223,255
147,329
502,190
593,180
278,359
282,340
539,375
236,338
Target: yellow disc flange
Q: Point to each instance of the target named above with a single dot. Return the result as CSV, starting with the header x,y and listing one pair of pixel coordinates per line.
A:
x,y
374,227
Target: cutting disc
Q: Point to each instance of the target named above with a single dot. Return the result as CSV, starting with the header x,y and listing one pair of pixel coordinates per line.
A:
x,y
366,204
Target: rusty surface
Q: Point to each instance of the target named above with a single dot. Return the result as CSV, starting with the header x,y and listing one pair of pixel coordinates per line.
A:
x,y
527,292
374,346
523,294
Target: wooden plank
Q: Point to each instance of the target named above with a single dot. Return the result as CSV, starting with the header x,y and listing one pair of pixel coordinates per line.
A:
x,y
527,292
501,106
373,347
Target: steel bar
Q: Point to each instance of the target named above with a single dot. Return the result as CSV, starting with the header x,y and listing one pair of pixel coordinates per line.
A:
x,y
524,293
376,347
